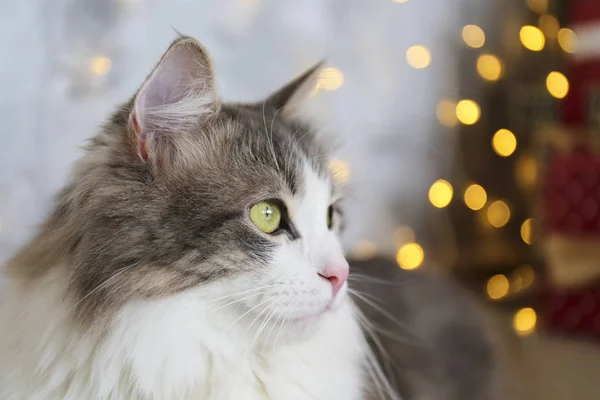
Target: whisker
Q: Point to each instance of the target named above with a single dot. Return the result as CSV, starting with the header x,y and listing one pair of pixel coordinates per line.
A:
x,y
281,306
375,306
246,313
369,329
267,133
240,293
358,277
285,321
100,286
266,309
380,380
235,302
288,152
261,328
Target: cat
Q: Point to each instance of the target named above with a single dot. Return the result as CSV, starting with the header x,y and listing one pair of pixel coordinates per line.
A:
x,y
193,254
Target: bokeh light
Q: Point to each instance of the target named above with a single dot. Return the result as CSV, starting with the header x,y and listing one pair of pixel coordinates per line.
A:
x,y
504,142
364,250
526,171
446,113
418,57
524,321
475,197
498,214
440,193
526,228
549,25
330,79
410,256
538,6
468,112
340,170
473,36
403,234
100,65
567,40
532,38
527,275
521,278
489,67
557,84
497,287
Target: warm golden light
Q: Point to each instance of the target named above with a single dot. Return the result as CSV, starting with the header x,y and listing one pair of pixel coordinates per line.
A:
x,y
549,25
557,84
330,79
567,40
538,6
532,38
100,65
527,275
498,214
446,113
440,193
526,228
489,67
340,170
521,278
403,235
400,1
473,36
364,250
468,112
504,142
497,287
410,256
475,197
524,321
418,57
526,171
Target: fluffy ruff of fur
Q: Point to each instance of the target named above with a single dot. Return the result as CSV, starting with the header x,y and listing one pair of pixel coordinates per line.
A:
x,y
171,348
150,281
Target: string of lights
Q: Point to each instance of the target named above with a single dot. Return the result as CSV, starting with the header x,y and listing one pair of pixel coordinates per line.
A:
x,y
493,211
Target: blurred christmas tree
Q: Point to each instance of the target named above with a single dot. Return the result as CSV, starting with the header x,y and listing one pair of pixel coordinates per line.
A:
x,y
528,219
513,80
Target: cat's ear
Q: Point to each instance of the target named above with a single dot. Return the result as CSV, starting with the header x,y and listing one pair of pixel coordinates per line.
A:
x,y
178,94
292,96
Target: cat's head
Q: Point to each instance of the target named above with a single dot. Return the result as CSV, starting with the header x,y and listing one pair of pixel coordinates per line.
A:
x,y
182,193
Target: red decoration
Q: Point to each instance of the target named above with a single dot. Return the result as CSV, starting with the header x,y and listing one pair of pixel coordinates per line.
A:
x,y
571,191
584,11
574,312
572,195
584,68
584,78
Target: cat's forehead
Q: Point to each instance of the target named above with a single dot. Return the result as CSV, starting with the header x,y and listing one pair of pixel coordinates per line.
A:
x,y
261,150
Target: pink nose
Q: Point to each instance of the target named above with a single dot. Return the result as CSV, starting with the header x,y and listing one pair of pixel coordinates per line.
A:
x,y
336,276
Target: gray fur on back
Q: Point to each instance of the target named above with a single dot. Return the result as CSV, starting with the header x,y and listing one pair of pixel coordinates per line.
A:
x,y
442,348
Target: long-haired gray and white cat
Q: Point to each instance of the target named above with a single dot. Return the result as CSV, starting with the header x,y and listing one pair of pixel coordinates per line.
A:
x,y
192,255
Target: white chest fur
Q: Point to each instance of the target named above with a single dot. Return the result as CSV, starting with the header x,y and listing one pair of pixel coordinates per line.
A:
x,y
161,350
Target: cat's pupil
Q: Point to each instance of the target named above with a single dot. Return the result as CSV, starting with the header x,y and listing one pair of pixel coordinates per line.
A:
x,y
268,212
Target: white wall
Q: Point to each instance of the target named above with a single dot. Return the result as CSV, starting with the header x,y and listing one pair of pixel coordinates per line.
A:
x,y
385,111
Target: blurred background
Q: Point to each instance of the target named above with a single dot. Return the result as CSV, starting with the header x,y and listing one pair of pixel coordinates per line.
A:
x,y
468,135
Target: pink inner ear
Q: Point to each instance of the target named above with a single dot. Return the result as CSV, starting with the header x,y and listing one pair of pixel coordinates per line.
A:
x,y
141,138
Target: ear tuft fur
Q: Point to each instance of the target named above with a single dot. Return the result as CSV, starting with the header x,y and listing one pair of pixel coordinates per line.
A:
x,y
179,93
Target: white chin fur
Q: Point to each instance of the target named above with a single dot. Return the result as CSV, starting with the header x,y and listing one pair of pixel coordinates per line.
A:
x,y
165,349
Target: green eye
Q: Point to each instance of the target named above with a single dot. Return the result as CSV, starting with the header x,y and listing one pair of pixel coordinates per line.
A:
x,y
266,215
